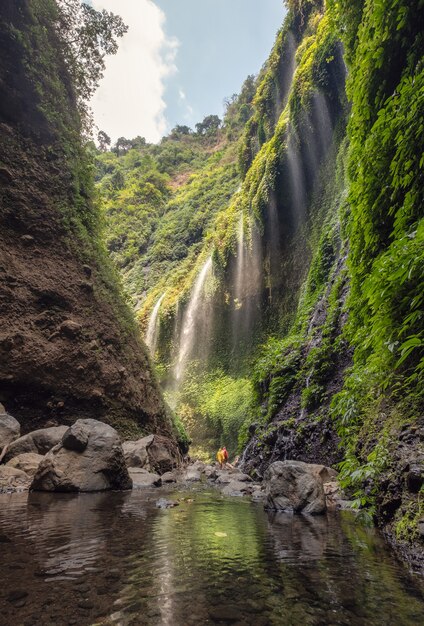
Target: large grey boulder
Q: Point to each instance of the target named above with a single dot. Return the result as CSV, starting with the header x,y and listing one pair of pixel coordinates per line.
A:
x,y
27,462
10,429
38,442
295,487
88,458
154,452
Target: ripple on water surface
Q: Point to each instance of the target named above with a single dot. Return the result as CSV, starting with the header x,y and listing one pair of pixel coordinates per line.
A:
x,y
113,558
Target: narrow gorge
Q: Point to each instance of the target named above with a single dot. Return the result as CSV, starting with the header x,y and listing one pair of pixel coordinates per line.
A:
x,y
255,283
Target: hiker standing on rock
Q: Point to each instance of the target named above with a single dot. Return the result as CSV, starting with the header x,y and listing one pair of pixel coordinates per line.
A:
x,y
222,456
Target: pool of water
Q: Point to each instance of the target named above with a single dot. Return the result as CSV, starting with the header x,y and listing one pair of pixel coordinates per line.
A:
x,y
114,558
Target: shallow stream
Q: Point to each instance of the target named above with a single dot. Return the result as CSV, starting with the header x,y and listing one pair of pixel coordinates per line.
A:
x,y
114,558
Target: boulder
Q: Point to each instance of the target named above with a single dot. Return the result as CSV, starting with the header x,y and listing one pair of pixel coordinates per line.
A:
x,y
10,429
295,487
237,488
169,477
99,466
76,438
136,451
142,478
163,455
13,479
211,473
225,478
153,452
39,442
27,462
192,475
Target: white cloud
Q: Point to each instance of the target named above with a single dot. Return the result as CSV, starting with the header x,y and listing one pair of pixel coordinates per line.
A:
x,y
188,109
130,99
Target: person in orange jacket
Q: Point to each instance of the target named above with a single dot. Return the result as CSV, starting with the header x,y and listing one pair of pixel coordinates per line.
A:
x,y
222,456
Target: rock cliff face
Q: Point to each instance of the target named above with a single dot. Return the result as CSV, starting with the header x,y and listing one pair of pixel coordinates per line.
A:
x,y
68,345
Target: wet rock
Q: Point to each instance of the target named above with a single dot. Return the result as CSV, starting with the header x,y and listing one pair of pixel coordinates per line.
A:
x,y
294,486
153,452
10,428
13,479
142,478
192,475
223,478
76,437
39,442
169,477
27,462
237,488
162,503
211,472
199,466
226,478
162,455
99,467
136,451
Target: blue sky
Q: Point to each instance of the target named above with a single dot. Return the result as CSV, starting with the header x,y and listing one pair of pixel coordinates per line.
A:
x,y
221,42
179,60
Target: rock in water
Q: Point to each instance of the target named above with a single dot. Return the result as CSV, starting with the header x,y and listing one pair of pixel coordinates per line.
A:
x,y
39,442
142,478
13,479
89,458
9,428
294,486
163,503
27,462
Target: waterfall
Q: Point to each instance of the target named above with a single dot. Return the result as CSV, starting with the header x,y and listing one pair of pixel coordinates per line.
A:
x,y
239,277
187,336
152,328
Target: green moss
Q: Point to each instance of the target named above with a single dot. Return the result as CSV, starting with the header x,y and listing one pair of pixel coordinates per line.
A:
x,y
407,518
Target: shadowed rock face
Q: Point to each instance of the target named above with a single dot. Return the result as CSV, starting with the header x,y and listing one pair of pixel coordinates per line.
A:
x,y
295,487
68,348
89,458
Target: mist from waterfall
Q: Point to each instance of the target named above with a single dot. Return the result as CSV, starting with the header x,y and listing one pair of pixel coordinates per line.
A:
x,y
247,281
190,318
153,327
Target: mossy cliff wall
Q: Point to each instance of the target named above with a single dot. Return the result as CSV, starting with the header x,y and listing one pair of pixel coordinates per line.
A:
x,y
69,347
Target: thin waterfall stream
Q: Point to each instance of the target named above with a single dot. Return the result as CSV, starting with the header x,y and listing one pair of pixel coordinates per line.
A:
x,y
152,328
187,337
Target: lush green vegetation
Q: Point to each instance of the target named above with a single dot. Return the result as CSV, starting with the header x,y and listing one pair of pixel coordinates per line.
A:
x,y
333,212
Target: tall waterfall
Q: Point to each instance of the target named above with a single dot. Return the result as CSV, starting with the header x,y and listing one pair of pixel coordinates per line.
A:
x,y
152,328
187,336
240,269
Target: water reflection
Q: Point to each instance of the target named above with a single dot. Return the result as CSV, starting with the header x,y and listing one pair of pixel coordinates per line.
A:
x,y
116,559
